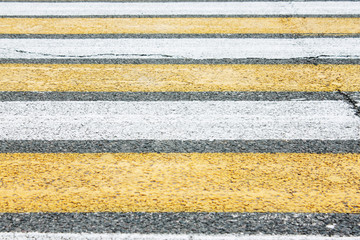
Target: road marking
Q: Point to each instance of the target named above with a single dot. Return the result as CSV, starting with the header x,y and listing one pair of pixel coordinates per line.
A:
x,y
220,179
167,49
177,77
336,26
178,8
112,236
176,182
178,120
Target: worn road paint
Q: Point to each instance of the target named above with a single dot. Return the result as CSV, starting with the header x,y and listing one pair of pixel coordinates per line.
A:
x,y
178,120
177,182
185,48
179,78
179,8
336,26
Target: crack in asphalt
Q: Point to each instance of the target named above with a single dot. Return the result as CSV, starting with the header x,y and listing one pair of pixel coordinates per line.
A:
x,y
351,102
311,60
94,55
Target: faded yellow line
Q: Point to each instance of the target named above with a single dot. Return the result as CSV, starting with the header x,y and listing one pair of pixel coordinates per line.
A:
x,y
176,182
147,77
179,25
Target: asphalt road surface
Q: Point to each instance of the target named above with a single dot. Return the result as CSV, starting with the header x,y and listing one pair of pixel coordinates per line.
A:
x,y
180,120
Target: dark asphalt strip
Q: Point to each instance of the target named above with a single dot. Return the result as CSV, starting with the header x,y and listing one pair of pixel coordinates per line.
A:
x,y
172,96
307,60
184,223
179,146
147,36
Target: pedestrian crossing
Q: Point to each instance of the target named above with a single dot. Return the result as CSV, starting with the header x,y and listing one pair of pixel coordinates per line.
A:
x,y
179,120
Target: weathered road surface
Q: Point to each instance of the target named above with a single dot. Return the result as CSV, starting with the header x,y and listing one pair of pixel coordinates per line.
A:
x,y
180,120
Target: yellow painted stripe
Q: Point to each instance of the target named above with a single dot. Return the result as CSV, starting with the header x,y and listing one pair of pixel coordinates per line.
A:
x,y
179,25
175,182
156,77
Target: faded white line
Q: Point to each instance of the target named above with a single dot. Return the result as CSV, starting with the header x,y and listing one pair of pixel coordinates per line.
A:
x,y
179,120
178,8
113,236
195,48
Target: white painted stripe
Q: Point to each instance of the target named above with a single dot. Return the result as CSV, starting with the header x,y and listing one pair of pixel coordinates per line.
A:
x,y
184,120
112,236
194,48
178,8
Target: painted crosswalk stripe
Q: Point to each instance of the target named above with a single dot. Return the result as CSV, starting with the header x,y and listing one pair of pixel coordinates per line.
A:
x,y
200,48
177,182
169,120
334,26
325,8
177,78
